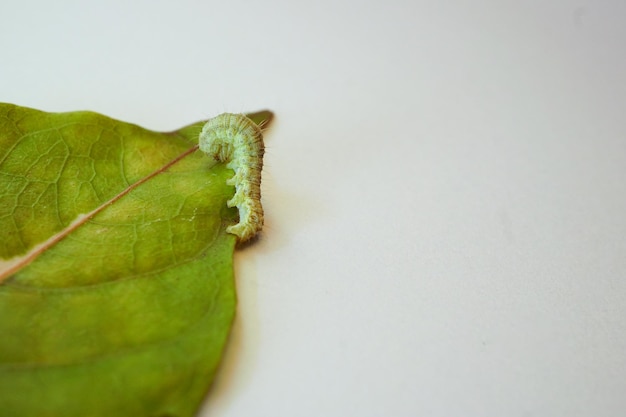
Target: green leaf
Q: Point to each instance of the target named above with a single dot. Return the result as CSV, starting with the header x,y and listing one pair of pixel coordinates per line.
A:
x,y
116,279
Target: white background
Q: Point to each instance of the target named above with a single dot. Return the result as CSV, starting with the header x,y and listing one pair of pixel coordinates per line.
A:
x,y
445,188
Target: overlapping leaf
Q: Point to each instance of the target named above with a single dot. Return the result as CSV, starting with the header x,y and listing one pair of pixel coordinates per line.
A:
x,y
116,292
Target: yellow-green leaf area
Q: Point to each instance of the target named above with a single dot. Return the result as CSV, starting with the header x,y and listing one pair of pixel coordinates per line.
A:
x,y
128,313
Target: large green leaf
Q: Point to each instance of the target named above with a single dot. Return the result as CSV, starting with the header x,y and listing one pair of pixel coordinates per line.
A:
x,y
116,282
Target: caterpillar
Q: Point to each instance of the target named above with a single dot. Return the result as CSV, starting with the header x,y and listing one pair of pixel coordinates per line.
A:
x,y
237,140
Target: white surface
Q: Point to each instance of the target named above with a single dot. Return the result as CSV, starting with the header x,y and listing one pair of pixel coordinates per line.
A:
x,y
444,186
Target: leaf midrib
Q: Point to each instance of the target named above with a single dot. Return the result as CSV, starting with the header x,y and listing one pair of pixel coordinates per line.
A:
x,y
12,266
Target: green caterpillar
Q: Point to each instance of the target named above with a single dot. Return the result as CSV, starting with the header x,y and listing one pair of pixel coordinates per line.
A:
x,y
236,139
